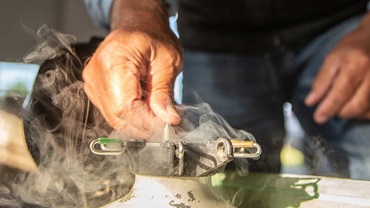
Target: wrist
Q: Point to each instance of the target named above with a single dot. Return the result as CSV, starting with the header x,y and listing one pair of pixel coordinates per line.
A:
x,y
139,15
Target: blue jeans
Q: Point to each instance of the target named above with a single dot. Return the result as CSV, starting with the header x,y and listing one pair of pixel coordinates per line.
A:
x,y
249,91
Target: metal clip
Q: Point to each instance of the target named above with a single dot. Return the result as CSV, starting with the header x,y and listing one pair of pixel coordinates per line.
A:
x,y
106,146
224,149
241,146
180,151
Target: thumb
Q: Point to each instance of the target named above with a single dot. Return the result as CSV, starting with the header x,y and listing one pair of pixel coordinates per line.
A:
x,y
163,72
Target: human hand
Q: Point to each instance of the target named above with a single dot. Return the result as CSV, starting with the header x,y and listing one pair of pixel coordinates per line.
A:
x,y
342,87
130,80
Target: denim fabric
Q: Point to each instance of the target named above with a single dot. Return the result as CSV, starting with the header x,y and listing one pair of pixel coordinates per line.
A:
x,y
248,91
346,143
243,90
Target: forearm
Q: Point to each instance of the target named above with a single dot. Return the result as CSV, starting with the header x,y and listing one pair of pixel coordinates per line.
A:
x,y
139,15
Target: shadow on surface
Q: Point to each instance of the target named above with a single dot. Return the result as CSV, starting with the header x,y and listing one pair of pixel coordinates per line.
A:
x,y
268,190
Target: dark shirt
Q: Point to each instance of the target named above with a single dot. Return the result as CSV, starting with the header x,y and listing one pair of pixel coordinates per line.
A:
x,y
251,26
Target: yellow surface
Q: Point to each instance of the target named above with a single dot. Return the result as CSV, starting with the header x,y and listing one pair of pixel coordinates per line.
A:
x,y
291,156
13,147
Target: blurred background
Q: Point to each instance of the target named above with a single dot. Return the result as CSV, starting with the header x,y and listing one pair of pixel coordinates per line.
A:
x,y
19,16
67,16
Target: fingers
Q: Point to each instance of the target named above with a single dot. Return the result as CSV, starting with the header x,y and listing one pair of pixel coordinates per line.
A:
x,y
120,124
341,88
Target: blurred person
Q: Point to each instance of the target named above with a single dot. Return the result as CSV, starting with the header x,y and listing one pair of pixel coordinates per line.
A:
x,y
244,58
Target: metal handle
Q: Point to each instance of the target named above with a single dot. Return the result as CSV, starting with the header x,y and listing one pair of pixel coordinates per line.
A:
x,y
107,146
240,146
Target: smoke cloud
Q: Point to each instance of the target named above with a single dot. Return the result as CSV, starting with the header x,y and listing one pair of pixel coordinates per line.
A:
x,y
59,124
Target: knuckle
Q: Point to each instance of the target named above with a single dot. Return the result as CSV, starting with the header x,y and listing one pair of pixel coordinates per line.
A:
x,y
346,82
336,101
361,57
119,112
333,56
171,57
355,109
356,55
120,125
350,113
